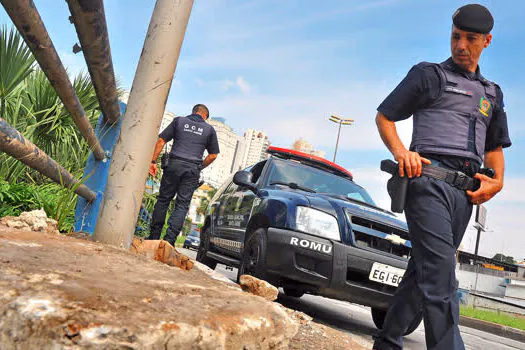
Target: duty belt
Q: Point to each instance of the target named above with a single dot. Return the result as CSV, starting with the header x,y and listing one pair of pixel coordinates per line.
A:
x,y
453,177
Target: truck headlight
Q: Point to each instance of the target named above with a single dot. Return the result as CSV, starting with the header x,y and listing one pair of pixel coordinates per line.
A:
x,y
317,223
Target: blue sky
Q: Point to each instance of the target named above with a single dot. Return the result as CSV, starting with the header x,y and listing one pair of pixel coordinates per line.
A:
x,y
285,66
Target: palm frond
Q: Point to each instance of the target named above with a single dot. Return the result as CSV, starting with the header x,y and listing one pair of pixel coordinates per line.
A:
x,y
16,63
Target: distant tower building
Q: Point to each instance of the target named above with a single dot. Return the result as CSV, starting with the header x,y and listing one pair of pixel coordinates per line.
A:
x,y
303,146
167,118
240,151
256,143
221,168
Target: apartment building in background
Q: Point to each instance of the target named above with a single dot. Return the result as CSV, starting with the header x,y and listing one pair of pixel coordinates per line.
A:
x,y
221,168
302,145
199,195
240,149
256,143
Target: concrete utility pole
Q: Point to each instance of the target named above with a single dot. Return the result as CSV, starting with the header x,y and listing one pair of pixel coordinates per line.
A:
x,y
134,149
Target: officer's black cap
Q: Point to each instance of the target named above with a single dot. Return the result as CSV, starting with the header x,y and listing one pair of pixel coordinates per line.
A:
x,y
473,18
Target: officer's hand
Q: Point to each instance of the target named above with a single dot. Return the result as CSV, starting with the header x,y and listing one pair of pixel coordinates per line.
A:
x,y
411,162
153,169
488,188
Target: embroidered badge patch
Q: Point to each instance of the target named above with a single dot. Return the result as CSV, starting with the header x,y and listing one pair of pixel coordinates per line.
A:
x,y
484,106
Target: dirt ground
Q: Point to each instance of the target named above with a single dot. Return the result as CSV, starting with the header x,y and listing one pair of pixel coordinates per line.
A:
x,y
90,284
313,336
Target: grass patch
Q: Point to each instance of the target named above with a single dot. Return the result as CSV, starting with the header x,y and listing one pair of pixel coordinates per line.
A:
x,y
492,316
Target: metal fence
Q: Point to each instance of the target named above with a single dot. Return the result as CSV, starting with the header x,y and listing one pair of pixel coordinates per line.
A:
x,y
486,271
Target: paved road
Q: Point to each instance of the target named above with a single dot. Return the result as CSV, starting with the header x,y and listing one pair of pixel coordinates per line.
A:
x,y
356,319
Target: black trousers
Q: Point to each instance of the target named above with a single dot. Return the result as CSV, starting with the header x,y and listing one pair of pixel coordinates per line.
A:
x,y
179,178
437,216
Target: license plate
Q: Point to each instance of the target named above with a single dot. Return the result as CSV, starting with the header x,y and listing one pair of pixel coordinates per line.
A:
x,y
194,243
386,274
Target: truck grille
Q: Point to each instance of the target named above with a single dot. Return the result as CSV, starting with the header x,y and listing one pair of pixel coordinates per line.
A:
x,y
371,234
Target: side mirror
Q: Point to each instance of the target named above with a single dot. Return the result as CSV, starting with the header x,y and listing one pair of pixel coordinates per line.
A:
x,y
243,178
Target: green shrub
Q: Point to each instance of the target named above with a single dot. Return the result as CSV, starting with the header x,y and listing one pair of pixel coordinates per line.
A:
x,y
58,203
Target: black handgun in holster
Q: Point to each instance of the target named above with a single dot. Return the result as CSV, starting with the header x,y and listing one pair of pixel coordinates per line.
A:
x,y
485,171
397,186
164,160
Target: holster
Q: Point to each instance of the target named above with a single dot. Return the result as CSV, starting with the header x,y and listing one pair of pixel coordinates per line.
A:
x,y
164,160
397,186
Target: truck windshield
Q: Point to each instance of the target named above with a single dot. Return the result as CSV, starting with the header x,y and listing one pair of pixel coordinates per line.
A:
x,y
290,171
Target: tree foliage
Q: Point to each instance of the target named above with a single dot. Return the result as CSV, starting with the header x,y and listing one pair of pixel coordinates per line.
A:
x,y
30,104
504,258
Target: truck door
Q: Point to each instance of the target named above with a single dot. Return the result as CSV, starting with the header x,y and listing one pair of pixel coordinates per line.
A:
x,y
226,220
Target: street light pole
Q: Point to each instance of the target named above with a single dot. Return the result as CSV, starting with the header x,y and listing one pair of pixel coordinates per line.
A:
x,y
337,142
340,121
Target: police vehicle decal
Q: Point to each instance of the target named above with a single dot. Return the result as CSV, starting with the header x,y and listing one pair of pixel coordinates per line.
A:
x,y
311,245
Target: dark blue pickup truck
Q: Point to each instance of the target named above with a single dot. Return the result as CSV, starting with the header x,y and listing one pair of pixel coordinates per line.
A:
x,y
301,223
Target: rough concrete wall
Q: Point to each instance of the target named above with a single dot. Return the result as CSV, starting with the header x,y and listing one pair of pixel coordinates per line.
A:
x,y
58,292
486,284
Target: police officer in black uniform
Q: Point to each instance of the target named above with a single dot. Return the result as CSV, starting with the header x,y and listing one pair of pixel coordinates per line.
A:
x,y
459,123
191,135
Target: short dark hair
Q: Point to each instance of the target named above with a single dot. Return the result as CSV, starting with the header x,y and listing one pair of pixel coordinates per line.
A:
x,y
200,108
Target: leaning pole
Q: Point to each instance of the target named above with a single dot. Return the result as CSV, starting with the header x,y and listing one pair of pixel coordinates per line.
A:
x,y
134,149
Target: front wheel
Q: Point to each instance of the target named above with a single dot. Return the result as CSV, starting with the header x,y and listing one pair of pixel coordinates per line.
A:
x,y
379,315
204,246
253,260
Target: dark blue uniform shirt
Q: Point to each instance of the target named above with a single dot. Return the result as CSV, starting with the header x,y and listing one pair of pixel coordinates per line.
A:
x,y
422,86
191,135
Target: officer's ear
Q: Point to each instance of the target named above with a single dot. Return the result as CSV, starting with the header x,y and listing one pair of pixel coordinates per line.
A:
x,y
488,39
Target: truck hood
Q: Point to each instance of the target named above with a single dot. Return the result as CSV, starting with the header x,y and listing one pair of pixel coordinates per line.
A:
x,y
330,203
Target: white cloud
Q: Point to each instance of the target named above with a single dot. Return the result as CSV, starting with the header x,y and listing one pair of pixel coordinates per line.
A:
x,y
240,83
303,111
280,57
227,84
243,85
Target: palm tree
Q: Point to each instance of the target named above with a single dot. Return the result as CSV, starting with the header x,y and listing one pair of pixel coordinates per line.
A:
x,y
16,64
30,104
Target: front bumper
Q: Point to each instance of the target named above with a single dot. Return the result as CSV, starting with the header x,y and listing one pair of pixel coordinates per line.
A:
x,y
332,269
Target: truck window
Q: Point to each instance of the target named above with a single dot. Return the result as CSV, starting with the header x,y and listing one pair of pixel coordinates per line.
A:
x,y
316,179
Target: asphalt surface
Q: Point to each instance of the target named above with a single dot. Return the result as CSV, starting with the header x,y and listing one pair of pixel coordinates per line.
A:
x,y
357,320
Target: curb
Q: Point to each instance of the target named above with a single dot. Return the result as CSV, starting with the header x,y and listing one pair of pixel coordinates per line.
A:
x,y
494,328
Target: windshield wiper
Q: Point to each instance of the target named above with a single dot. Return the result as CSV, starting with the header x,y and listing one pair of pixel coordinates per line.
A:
x,y
293,186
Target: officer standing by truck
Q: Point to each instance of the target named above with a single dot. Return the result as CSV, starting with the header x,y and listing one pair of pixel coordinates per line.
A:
x,y
459,123
191,135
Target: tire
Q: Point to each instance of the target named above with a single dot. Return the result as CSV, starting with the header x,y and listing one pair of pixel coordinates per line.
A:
x,y
253,260
291,292
204,246
378,315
